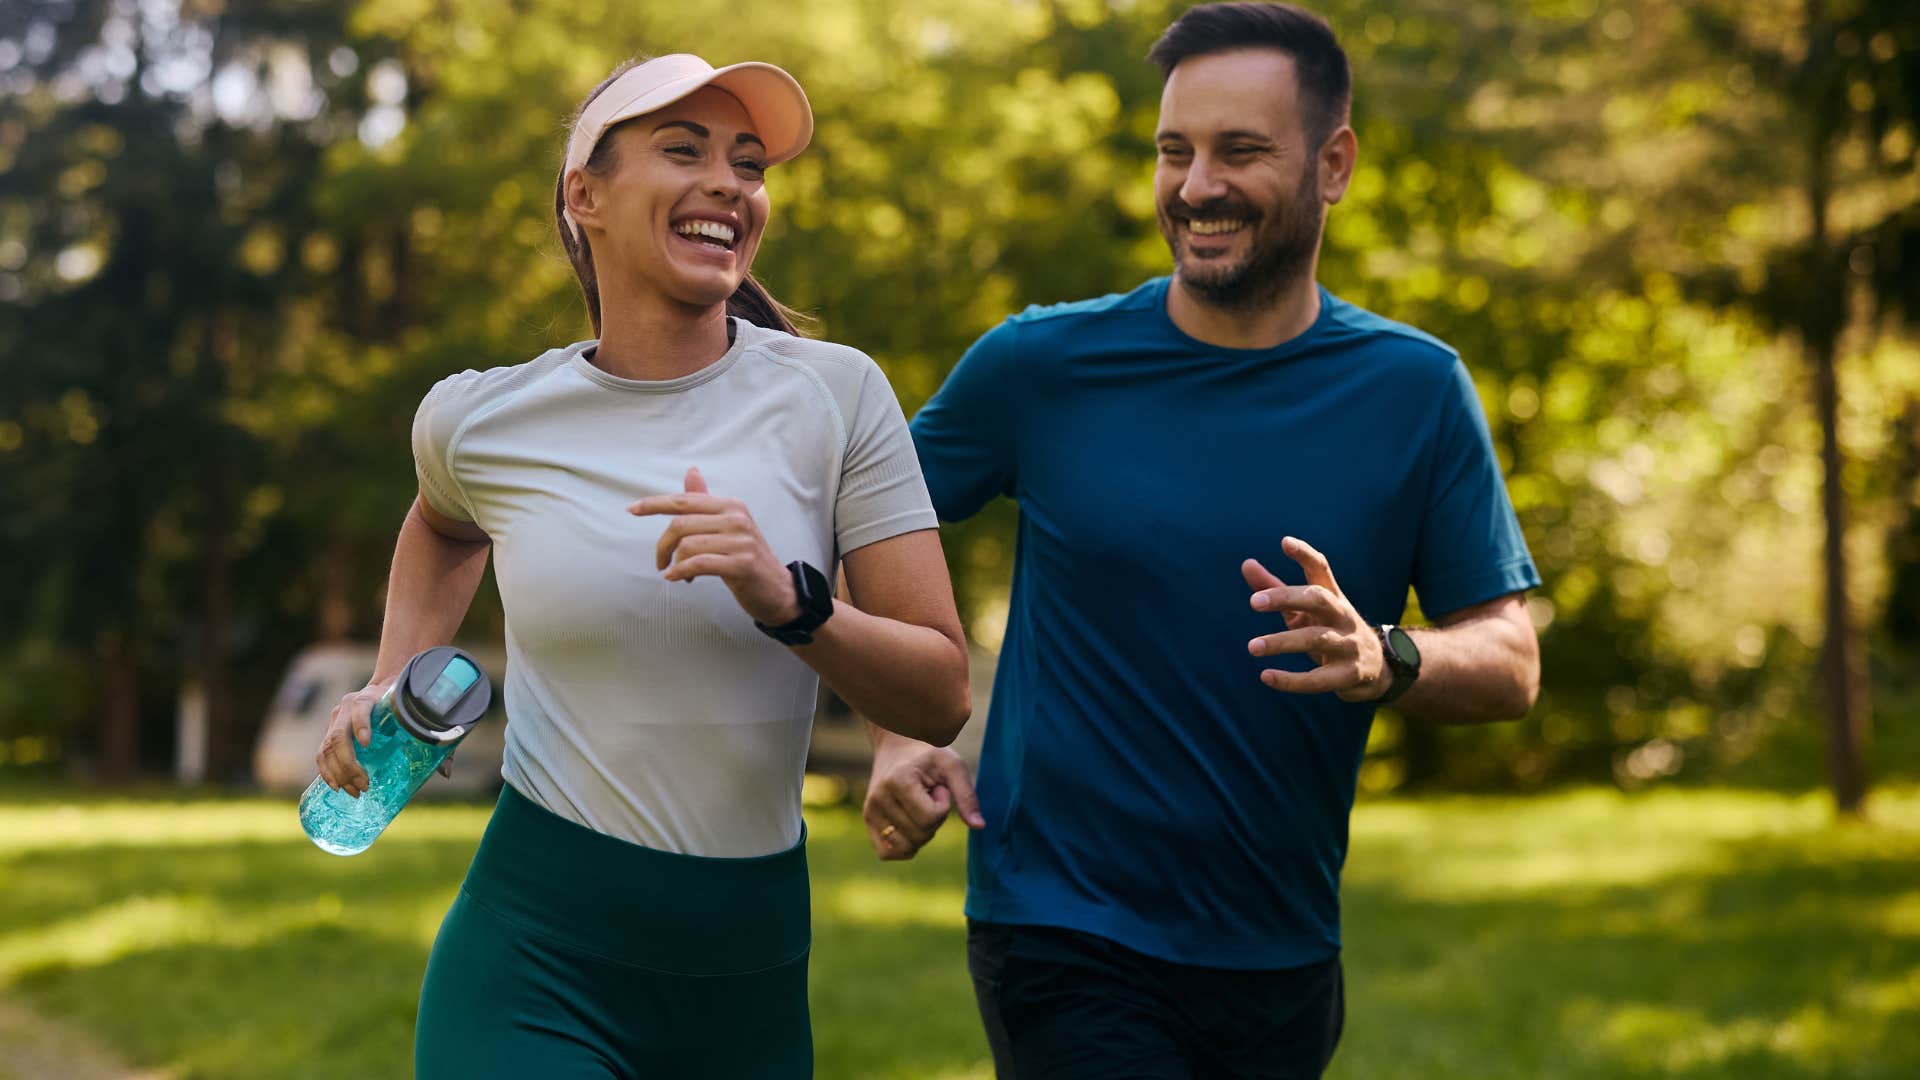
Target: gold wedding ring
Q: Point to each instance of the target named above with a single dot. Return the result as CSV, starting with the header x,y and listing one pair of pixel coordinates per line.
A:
x,y
886,833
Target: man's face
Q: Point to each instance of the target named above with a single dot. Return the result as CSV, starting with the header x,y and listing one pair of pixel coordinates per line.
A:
x,y
1236,186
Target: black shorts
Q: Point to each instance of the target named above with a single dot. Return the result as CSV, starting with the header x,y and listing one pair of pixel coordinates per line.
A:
x,y
1061,1005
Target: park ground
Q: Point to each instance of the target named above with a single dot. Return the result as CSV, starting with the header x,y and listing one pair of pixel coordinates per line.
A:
x,y
1583,934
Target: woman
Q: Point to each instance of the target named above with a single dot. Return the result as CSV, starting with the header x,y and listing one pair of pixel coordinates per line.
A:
x,y
638,904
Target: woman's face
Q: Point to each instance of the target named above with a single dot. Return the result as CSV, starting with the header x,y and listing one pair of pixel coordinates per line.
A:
x,y
684,207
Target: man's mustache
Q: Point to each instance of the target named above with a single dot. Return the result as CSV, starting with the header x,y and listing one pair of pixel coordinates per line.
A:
x,y
1219,208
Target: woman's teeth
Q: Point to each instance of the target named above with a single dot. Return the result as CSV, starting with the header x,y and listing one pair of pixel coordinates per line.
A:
x,y
707,232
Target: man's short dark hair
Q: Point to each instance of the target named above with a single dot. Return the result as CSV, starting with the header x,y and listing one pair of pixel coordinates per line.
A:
x,y
1326,83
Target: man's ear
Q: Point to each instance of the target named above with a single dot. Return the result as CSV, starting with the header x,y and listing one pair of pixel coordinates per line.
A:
x,y
1337,157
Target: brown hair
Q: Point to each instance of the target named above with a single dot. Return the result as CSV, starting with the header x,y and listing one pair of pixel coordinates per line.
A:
x,y
1326,82
751,301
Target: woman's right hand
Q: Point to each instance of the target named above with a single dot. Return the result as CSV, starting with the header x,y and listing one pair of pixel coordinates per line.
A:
x,y
352,722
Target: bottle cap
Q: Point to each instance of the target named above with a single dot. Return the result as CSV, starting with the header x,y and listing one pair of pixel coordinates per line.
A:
x,y
440,693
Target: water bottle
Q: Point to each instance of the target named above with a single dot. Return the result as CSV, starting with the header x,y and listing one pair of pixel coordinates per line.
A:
x,y
425,713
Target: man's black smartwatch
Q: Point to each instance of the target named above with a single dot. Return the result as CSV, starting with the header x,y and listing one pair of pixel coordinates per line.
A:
x,y
1403,660
816,606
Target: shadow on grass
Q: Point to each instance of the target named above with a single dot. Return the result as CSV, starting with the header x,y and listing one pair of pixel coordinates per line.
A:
x,y
1786,956
1777,961
266,960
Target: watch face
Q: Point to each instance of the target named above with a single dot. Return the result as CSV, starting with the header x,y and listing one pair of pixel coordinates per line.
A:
x,y
1403,647
816,596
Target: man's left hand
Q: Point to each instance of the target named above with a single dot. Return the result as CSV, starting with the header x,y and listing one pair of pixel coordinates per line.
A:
x,y
1322,623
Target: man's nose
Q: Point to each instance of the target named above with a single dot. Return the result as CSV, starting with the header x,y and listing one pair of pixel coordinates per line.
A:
x,y
1203,183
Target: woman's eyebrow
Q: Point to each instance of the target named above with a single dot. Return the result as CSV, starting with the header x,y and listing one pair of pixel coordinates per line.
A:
x,y
697,129
702,131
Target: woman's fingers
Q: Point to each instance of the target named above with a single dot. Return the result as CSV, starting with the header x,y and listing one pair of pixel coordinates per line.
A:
x,y
351,724
680,502
686,526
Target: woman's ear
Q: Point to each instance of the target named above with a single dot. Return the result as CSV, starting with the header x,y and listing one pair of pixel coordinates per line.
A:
x,y
582,197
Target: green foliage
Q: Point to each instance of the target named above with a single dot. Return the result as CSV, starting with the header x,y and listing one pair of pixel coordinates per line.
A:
x,y
1585,934
1594,201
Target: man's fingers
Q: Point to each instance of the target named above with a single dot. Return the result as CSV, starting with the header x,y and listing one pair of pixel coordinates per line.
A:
x,y
1312,639
1310,560
966,802
696,483
890,843
1313,600
1321,680
910,822
1258,576
924,809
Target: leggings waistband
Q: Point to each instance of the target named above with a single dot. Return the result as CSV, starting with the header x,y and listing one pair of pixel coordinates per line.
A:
x,y
686,914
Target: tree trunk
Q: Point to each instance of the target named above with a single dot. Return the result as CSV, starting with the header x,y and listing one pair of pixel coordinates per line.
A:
x,y
216,579
119,705
335,604
1822,315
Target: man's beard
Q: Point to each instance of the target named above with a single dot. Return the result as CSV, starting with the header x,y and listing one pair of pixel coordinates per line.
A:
x,y
1283,249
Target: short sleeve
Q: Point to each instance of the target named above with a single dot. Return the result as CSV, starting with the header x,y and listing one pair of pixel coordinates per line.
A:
x,y
881,492
1470,548
434,427
965,435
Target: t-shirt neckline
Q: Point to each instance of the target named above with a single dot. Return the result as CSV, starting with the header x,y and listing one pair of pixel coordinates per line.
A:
x,y
1285,348
662,386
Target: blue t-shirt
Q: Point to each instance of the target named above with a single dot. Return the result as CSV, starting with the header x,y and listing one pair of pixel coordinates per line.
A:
x,y
1138,780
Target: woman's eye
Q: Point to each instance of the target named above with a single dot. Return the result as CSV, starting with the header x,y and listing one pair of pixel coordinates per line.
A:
x,y
684,150
757,168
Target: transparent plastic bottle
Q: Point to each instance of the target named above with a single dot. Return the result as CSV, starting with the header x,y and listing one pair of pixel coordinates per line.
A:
x,y
439,695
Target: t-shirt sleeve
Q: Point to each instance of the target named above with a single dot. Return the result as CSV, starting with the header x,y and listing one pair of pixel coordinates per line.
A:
x,y
965,435
1470,549
434,427
881,492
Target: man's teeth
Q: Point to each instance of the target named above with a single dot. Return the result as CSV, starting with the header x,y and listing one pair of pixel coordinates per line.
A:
x,y
719,234
1218,225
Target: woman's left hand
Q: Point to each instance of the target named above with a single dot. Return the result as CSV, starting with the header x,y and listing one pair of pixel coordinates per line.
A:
x,y
717,537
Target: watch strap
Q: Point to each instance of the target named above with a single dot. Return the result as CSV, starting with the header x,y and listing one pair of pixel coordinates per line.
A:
x,y
815,595
1404,673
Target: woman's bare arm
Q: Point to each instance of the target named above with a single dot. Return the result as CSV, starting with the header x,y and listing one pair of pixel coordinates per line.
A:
x,y
437,566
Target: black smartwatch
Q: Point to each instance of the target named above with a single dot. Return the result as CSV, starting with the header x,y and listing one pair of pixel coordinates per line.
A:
x,y
1403,660
816,606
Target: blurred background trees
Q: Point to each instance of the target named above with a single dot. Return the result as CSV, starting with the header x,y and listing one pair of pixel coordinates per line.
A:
x,y
1675,243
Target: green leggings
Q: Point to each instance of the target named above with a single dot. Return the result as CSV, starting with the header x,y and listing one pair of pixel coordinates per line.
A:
x,y
571,955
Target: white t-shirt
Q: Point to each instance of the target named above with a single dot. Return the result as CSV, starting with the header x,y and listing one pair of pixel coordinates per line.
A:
x,y
650,710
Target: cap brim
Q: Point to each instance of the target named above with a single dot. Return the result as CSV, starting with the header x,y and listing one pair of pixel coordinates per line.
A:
x,y
773,99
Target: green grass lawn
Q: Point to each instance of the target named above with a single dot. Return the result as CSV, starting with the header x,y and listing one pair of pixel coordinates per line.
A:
x,y
1586,934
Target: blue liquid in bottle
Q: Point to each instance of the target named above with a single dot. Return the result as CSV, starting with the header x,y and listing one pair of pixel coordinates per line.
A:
x,y
398,759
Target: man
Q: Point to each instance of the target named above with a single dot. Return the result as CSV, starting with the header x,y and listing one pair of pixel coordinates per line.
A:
x,y
1185,685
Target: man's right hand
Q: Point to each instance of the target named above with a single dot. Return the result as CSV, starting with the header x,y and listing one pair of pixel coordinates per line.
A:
x,y
914,786
351,723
